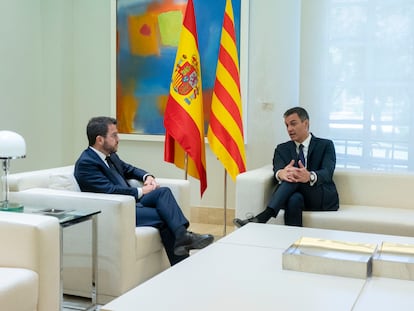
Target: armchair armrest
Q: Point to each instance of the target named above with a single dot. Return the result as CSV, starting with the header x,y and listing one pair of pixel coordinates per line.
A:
x,y
181,191
253,190
179,187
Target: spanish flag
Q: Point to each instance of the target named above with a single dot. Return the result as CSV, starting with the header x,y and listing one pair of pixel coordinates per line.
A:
x,y
225,131
183,118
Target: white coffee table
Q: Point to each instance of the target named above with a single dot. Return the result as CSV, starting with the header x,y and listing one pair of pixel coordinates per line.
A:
x,y
243,271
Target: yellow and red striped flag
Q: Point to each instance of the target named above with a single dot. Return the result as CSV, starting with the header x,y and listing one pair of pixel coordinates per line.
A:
x,y
184,118
225,131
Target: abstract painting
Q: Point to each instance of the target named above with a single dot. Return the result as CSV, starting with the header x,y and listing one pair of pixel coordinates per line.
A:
x,y
148,33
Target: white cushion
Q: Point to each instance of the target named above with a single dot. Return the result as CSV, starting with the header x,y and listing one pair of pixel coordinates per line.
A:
x,y
63,181
35,179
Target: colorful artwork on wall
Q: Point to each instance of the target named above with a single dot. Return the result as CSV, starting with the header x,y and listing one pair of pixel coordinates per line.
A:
x,y
148,32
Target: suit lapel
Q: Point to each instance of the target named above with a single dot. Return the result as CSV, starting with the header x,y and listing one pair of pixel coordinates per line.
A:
x,y
292,149
312,145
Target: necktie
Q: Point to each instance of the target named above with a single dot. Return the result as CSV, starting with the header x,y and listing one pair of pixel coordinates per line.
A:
x,y
119,177
301,155
110,164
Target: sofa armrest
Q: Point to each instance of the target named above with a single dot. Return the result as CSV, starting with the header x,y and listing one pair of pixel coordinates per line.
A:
x,y
253,190
32,242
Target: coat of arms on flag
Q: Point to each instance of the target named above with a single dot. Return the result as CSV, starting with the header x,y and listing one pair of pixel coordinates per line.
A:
x,y
186,79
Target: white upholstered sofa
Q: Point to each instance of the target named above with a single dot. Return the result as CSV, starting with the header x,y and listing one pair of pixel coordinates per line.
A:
x,y
374,202
127,255
29,262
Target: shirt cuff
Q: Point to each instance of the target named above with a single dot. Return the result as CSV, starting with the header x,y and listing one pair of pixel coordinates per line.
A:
x,y
277,177
140,194
146,175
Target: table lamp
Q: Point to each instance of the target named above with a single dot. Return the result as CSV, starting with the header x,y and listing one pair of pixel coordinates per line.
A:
x,y
12,146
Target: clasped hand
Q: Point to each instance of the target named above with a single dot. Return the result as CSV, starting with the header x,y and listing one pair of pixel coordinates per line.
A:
x,y
291,173
150,184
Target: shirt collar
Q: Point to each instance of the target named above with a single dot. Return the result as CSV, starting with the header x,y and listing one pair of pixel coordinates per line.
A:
x,y
305,143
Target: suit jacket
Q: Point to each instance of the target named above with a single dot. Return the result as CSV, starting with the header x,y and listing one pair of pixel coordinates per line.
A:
x,y
93,175
321,159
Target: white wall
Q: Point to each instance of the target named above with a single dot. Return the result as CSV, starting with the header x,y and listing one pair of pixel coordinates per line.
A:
x,y
21,74
35,93
58,71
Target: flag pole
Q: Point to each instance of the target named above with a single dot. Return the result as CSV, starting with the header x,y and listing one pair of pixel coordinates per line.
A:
x,y
225,203
186,166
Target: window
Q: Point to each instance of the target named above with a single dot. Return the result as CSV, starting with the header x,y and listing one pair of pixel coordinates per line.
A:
x,y
357,77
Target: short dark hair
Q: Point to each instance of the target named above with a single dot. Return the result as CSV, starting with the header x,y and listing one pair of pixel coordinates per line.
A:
x,y
98,126
301,112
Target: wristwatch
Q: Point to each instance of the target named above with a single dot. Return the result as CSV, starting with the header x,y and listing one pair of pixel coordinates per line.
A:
x,y
312,178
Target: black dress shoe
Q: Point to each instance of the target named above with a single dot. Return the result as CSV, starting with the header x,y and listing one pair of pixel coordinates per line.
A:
x,y
190,241
240,223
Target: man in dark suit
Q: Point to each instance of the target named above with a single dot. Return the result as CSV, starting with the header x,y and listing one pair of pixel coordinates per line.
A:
x,y
99,169
303,168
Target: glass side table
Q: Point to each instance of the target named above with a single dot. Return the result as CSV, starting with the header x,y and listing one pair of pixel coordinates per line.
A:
x,y
67,218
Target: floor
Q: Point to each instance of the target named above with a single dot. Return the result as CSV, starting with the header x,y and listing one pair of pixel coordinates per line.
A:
x,y
78,303
216,230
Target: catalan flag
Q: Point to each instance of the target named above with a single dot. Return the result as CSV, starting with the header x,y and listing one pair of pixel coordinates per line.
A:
x,y
184,118
225,131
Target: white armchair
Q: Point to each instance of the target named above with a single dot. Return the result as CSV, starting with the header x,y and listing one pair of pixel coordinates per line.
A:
x,y
127,255
29,262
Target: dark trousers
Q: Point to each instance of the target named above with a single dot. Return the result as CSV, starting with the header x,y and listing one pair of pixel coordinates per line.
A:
x,y
159,209
295,198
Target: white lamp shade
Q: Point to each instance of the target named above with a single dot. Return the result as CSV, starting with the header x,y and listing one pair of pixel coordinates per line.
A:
x,y
12,145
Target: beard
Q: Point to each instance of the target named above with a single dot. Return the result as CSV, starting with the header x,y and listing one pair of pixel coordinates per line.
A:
x,y
110,148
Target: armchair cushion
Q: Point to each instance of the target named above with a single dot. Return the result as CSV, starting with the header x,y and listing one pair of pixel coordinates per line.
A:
x,y
18,289
36,179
